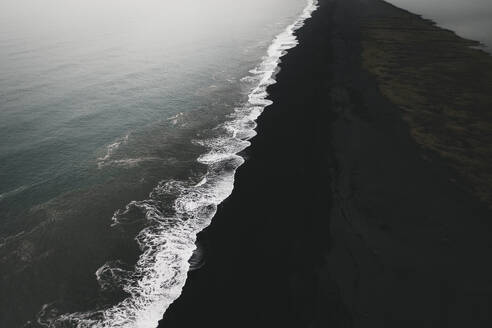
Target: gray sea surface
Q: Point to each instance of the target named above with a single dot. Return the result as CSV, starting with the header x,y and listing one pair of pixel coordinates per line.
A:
x,y
119,124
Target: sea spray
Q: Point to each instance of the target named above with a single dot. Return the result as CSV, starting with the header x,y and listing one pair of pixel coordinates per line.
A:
x,y
168,241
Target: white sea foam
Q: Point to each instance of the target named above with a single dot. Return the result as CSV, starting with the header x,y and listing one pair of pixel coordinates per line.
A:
x,y
168,242
128,162
111,149
175,119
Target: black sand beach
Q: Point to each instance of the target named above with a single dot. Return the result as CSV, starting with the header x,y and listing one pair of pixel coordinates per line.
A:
x,y
340,217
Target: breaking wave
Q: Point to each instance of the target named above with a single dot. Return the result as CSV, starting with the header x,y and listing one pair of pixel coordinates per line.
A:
x,y
169,239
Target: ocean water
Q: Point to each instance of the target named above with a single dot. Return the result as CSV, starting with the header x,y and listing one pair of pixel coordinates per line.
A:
x,y
470,19
120,127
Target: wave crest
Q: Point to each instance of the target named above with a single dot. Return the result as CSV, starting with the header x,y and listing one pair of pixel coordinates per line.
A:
x,y
169,238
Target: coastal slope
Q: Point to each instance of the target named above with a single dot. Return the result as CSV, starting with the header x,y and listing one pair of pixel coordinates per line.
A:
x,y
341,216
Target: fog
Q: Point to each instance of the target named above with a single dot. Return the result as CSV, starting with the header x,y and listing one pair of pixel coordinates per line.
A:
x,y
62,19
471,19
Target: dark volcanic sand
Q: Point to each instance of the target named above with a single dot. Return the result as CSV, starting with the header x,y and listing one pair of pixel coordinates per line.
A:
x,y
338,218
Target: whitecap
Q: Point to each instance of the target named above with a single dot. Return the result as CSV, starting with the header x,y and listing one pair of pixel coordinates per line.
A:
x,y
169,240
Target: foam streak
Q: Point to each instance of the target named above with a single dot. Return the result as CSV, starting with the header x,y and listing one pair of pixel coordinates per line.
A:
x,y
167,243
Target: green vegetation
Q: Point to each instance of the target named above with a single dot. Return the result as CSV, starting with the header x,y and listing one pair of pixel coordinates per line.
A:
x,y
443,85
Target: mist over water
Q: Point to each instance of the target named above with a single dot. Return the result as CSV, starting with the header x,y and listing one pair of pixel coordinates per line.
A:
x,y
471,19
78,75
120,122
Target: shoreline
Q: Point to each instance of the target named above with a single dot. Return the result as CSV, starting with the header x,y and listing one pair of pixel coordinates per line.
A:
x,y
138,298
339,218
249,259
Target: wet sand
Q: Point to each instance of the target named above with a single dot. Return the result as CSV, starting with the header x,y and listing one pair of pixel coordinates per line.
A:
x,y
339,218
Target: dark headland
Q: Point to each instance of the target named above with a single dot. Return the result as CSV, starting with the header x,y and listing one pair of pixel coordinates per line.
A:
x,y
365,197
